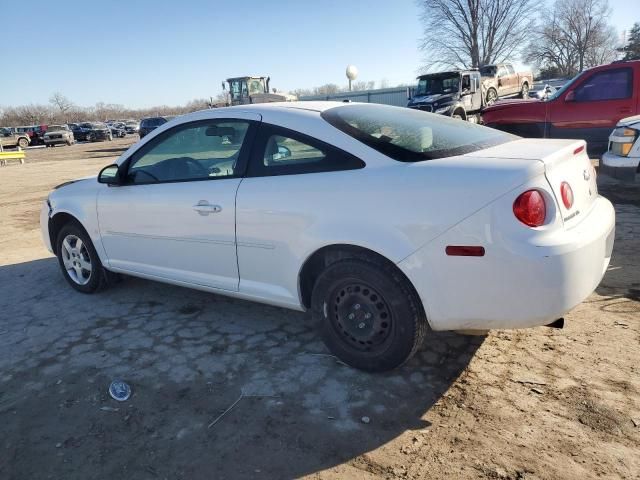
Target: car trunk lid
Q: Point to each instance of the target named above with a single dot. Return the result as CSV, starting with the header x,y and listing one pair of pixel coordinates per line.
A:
x,y
564,161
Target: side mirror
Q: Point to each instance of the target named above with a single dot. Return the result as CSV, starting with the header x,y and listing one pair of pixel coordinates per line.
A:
x,y
570,96
110,175
224,87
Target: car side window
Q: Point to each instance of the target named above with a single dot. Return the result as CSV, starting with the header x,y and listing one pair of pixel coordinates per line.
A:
x,y
510,70
196,151
466,82
280,151
608,85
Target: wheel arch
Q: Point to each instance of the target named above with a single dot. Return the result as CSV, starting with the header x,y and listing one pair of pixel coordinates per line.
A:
x,y
57,222
321,258
459,110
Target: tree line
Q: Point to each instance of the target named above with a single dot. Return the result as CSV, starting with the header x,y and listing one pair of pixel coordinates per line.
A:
x,y
558,38
62,110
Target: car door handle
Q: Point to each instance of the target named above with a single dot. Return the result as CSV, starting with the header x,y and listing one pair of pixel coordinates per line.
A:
x,y
205,208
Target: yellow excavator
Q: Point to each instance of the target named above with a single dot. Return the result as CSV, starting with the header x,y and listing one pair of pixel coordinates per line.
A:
x,y
245,90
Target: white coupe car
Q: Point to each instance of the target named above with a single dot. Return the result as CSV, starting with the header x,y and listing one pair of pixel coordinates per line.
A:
x,y
385,222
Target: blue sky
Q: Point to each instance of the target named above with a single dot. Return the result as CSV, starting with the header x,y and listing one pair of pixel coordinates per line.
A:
x,y
147,53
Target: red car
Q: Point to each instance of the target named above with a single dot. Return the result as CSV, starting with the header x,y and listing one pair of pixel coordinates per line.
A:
x,y
587,107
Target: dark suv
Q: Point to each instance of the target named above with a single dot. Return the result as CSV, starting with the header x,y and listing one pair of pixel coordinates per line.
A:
x,y
147,125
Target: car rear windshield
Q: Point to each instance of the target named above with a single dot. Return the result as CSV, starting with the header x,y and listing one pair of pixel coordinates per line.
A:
x,y
409,135
152,122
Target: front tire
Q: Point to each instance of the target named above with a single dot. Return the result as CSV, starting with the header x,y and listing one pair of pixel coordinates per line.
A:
x,y
370,316
23,143
78,259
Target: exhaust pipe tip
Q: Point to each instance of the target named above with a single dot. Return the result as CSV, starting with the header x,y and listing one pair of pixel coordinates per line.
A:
x,y
559,323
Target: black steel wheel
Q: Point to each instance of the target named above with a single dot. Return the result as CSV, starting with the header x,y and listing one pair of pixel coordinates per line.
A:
x,y
361,316
369,315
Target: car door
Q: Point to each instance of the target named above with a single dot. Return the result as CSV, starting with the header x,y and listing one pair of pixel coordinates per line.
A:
x,y
503,81
278,204
591,109
174,216
512,80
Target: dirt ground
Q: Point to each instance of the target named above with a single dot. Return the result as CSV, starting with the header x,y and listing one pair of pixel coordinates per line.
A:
x,y
531,404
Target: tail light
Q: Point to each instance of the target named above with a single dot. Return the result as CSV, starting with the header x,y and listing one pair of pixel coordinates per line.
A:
x,y
567,195
530,208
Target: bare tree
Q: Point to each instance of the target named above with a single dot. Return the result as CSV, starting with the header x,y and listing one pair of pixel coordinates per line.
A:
x,y
61,102
573,35
472,33
362,85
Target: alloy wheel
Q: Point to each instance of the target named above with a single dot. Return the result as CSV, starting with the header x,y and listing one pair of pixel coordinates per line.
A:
x,y
76,259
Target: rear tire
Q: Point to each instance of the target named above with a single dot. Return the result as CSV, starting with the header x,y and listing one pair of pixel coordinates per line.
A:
x,y
370,317
525,91
78,259
23,143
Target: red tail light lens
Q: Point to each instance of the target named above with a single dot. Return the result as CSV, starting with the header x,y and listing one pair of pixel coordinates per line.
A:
x,y
530,208
567,195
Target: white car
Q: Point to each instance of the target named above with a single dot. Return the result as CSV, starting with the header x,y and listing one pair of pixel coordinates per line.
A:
x,y
385,222
622,160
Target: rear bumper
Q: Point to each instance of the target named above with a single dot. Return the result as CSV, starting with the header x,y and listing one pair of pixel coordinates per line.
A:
x,y
622,168
516,284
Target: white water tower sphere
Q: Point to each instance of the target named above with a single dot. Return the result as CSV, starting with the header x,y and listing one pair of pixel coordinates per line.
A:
x,y
352,72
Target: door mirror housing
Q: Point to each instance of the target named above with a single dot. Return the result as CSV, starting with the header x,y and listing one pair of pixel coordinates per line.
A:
x,y
110,175
570,96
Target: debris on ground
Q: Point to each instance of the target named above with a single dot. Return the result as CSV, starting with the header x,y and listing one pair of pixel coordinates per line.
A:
x,y
119,390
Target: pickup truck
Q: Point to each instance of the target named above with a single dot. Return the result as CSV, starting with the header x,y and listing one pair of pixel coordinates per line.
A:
x,y
455,93
10,138
501,80
588,107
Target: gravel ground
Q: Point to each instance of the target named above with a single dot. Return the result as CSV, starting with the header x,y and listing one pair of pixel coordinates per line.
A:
x,y
534,404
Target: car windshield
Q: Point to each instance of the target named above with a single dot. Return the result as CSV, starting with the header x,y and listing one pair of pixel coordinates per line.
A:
x,y
564,88
153,122
53,128
488,70
409,135
98,126
438,84
131,123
